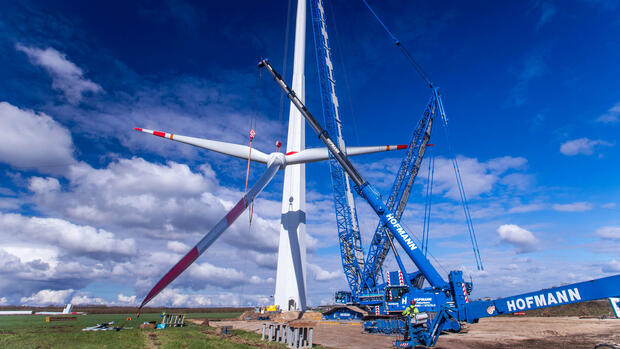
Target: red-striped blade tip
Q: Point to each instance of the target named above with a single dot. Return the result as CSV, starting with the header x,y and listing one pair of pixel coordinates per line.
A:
x,y
172,274
402,146
137,129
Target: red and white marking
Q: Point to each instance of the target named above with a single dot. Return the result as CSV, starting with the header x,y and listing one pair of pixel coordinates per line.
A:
x,y
155,133
396,147
465,293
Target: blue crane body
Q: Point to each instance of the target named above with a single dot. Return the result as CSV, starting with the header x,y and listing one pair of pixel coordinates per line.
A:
x,y
361,276
449,298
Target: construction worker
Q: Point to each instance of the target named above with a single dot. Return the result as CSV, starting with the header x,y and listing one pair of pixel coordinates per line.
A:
x,y
411,310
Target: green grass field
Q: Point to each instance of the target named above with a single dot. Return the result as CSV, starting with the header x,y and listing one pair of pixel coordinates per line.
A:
x,y
31,331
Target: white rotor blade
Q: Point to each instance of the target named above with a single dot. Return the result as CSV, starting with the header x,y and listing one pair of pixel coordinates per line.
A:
x,y
318,154
275,163
236,150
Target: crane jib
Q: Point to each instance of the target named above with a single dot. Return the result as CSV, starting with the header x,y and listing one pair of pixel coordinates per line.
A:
x,y
395,226
402,236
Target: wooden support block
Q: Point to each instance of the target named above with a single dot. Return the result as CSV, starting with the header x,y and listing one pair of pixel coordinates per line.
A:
x,y
60,318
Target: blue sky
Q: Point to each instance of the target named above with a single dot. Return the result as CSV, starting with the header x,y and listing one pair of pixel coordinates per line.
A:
x,y
94,212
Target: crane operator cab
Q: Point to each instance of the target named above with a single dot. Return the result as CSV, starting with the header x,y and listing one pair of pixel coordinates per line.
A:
x,y
396,298
343,297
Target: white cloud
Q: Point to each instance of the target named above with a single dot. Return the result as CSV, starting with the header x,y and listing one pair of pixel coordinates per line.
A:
x,y
31,140
523,240
612,266
612,115
66,76
265,260
172,297
505,163
222,277
47,297
127,300
609,205
256,280
85,299
321,274
583,146
609,232
30,252
478,177
42,185
573,207
66,236
177,246
168,201
153,207
137,194
518,181
4,301
527,208
20,272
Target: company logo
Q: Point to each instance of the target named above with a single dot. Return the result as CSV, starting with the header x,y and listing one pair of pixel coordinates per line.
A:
x,y
490,309
544,299
394,223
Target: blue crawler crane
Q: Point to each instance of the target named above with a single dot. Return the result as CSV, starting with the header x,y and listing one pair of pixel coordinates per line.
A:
x,y
362,276
448,299
369,288
365,277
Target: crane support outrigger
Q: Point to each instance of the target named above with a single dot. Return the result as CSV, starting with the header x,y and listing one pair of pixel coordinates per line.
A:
x,y
449,298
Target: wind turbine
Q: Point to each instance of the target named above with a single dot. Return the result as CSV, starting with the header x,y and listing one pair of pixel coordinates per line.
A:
x,y
275,161
290,290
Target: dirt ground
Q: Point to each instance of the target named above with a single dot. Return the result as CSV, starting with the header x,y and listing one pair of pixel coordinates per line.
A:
x,y
499,332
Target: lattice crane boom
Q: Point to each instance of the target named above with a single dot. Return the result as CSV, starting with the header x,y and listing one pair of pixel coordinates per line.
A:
x,y
409,167
346,215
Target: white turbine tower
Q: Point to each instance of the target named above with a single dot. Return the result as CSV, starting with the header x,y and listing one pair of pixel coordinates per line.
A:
x,y
291,273
290,292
